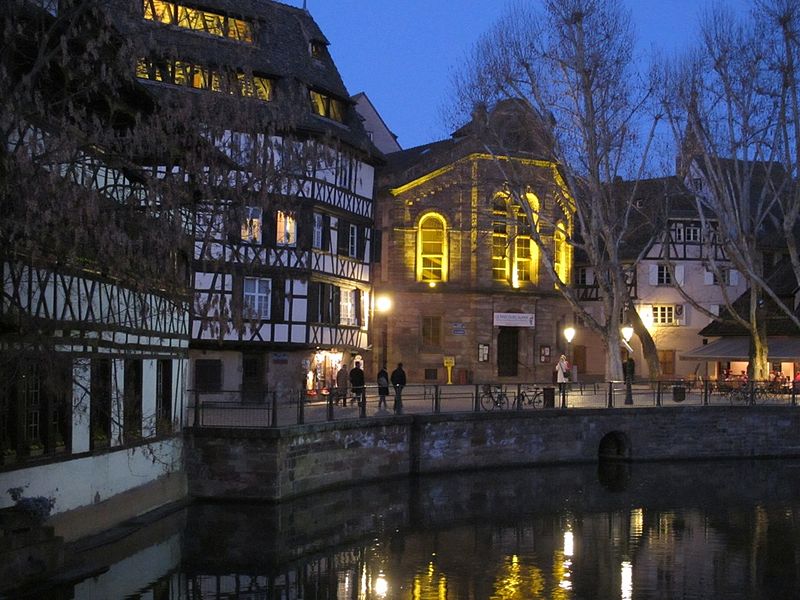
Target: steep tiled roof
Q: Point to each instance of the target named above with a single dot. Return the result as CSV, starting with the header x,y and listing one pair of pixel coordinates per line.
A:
x,y
783,283
281,52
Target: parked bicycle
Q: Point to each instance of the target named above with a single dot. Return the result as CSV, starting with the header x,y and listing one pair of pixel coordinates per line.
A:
x,y
530,397
493,397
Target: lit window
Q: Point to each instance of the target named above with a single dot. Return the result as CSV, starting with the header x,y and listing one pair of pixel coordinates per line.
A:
x,y
431,249
251,226
328,107
172,13
286,229
663,314
203,78
523,258
500,239
432,331
256,297
316,240
561,252
347,307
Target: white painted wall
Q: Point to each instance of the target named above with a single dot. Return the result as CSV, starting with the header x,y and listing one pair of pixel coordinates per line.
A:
x,y
91,479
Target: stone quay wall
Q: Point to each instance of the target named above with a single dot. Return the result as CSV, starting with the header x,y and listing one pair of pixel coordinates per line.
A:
x,y
279,464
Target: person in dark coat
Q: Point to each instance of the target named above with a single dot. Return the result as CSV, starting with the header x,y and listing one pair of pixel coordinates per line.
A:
x,y
383,387
341,385
357,382
398,381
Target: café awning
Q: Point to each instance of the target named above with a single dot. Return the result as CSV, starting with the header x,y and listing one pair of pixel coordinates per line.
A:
x,y
781,348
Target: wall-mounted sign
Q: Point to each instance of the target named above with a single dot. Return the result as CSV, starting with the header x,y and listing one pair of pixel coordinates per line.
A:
x,y
514,319
544,354
458,329
483,352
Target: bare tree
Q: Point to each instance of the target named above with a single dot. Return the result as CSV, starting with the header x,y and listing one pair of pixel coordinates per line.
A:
x,y
570,63
732,106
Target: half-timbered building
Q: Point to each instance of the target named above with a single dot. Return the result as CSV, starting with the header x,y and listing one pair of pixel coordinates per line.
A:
x,y
461,261
94,316
284,238
679,276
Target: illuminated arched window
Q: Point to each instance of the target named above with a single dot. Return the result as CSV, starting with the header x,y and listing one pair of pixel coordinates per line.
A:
x,y
432,249
500,238
561,252
526,252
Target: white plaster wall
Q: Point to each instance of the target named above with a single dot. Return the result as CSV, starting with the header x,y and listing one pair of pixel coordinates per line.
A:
x,y
92,479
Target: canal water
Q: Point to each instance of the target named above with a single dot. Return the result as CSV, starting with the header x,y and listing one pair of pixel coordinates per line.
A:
x,y
727,530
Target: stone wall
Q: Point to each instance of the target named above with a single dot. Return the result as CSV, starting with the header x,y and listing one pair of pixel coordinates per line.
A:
x,y
293,462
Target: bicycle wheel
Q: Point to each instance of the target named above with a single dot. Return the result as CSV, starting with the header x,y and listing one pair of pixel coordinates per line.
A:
x,y
502,401
537,400
487,401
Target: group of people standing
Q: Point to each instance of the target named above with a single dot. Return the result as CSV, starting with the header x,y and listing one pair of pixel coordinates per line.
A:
x,y
357,384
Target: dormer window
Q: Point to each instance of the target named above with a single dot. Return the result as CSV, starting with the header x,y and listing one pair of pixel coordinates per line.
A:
x,y
200,77
173,13
317,49
326,106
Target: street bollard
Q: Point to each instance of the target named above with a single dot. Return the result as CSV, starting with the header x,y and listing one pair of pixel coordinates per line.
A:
x,y
330,407
274,409
196,408
437,399
706,392
610,394
362,405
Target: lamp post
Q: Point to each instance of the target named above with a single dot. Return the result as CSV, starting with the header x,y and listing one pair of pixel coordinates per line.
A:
x,y
627,334
383,304
569,334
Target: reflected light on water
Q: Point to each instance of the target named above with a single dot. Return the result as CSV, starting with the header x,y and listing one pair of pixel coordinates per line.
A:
x,y
627,581
569,543
637,522
381,587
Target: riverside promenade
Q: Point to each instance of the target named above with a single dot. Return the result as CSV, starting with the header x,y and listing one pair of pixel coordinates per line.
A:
x,y
225,409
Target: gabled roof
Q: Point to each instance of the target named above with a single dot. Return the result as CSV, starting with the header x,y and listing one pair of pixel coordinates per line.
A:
x,y
783,283
509,129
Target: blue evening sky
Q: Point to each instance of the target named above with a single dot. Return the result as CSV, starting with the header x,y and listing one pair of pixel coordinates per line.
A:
x,y
401,52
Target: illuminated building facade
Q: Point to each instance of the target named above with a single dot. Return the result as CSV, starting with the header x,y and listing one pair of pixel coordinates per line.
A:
x,y
462,261
282,262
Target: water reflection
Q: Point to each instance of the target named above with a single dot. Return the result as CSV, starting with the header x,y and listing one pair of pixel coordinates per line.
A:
x,y
716,530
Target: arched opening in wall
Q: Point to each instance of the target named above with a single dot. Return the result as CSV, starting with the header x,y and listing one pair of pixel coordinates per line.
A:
x,y
614,446
613,469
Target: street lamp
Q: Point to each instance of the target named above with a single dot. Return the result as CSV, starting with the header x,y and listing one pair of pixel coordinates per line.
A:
x,y
569,334
383,304
627,334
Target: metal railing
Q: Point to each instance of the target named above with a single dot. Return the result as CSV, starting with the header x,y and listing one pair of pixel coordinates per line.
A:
x,y
296,407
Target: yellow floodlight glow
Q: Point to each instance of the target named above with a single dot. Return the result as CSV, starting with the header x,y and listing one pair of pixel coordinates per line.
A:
x,y
383,304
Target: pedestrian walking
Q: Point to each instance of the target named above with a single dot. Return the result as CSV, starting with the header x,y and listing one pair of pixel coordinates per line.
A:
x,y
383,387
562,378
398,380
357,383
342,377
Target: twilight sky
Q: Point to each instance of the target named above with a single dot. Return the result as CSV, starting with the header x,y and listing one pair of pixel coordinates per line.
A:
x,y
400,52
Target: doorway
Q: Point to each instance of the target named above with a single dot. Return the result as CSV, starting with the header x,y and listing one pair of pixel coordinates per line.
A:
x,y
507,351
253,378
